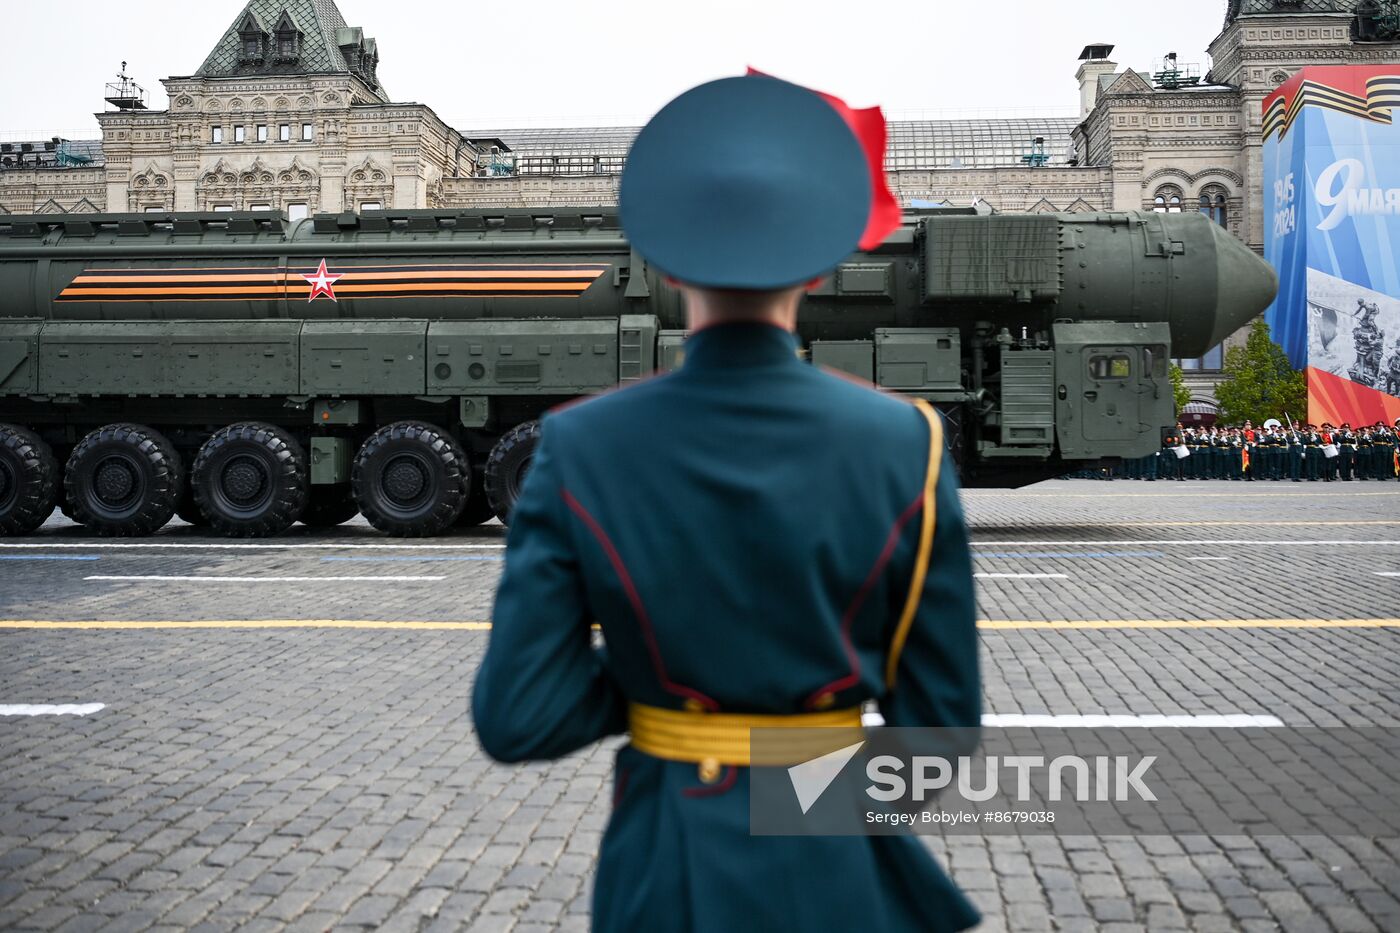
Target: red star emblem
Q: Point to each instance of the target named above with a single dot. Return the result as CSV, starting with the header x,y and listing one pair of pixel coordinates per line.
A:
x,y
322,283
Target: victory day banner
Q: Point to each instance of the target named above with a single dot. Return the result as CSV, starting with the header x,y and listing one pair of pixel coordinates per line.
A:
x,y
1332,230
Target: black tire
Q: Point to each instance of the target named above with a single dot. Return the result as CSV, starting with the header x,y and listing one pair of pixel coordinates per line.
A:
x,y
123,479
28,480
328,506
250,480
410,479
506,467
478,510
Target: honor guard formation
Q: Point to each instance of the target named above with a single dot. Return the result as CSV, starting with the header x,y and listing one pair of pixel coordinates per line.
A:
x,y
1272,452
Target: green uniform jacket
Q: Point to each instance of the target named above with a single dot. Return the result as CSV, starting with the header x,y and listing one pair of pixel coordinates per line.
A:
x,y
744,531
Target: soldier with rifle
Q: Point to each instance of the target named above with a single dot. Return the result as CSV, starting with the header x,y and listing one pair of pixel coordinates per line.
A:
x,y
1370,344
1392,372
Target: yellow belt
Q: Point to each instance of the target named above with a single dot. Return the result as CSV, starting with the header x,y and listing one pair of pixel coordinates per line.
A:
x,y
712,740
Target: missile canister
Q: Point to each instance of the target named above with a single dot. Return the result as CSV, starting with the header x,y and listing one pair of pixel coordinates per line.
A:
x,y
247,372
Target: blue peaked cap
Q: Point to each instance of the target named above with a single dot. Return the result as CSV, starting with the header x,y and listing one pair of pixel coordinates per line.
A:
x,y
745,183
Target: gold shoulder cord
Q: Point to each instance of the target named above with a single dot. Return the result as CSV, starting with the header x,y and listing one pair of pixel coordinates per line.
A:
x,y
916,586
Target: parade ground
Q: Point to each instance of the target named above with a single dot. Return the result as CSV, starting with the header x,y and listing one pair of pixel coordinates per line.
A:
x,y
204,733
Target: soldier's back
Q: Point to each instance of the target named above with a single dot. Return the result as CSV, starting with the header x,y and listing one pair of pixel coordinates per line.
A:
x,y
749,496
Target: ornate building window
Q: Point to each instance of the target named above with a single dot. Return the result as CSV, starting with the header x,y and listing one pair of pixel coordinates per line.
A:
x,y
216,134
252,41
288,38
1167,200
1213,204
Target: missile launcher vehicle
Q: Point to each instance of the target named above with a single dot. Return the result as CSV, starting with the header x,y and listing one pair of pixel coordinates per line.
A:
x,y
247,372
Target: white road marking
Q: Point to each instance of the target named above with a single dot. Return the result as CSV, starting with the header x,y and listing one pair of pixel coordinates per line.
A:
x,y
173,578
243,546
1387,573
1112,721
1021,576
1126,721
50,709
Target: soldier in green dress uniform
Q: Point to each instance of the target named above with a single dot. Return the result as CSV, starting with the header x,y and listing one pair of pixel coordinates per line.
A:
x,y
761,543
1297,452
1384,441
1312,450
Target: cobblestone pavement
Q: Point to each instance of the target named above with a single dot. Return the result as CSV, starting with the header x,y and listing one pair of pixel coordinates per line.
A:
x,y
317,776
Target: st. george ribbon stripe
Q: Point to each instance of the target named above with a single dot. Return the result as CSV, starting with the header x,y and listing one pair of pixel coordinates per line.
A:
x,y
587,267
347,282
1382,95
482,280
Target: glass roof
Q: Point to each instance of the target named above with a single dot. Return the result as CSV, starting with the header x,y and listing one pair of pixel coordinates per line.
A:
x,y
913,144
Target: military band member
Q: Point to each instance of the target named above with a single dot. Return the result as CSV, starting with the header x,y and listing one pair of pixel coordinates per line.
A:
x,y
739,563
1250,446
1278,453
1297,452
1197,465
1173,466
1346,456
1312,450
1221,450
1329,464
1383,443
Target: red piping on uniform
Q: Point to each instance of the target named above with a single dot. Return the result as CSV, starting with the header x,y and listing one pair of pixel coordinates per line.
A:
x,y
851,679
637,607
731,774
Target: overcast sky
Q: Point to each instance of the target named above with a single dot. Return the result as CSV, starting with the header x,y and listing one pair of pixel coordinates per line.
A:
x,y
610,62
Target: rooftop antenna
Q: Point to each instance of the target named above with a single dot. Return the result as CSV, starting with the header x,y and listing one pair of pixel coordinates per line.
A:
x,y
1036,156
124,93
1171,76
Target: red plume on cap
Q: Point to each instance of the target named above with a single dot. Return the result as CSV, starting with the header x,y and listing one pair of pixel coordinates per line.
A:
x,y
868,125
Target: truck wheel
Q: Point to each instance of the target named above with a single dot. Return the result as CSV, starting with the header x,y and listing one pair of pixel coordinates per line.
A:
x,y
478,510
410,479
328,506
507,466
123,479
250,480
28,480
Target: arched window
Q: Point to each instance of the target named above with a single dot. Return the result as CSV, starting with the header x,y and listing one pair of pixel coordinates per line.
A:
x,y
1167,200
1212,203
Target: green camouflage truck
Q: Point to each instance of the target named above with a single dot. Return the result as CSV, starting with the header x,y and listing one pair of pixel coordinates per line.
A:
x,y
247,372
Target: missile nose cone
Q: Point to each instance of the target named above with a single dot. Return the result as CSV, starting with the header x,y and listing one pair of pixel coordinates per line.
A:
x,y
1246,285
1206,309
